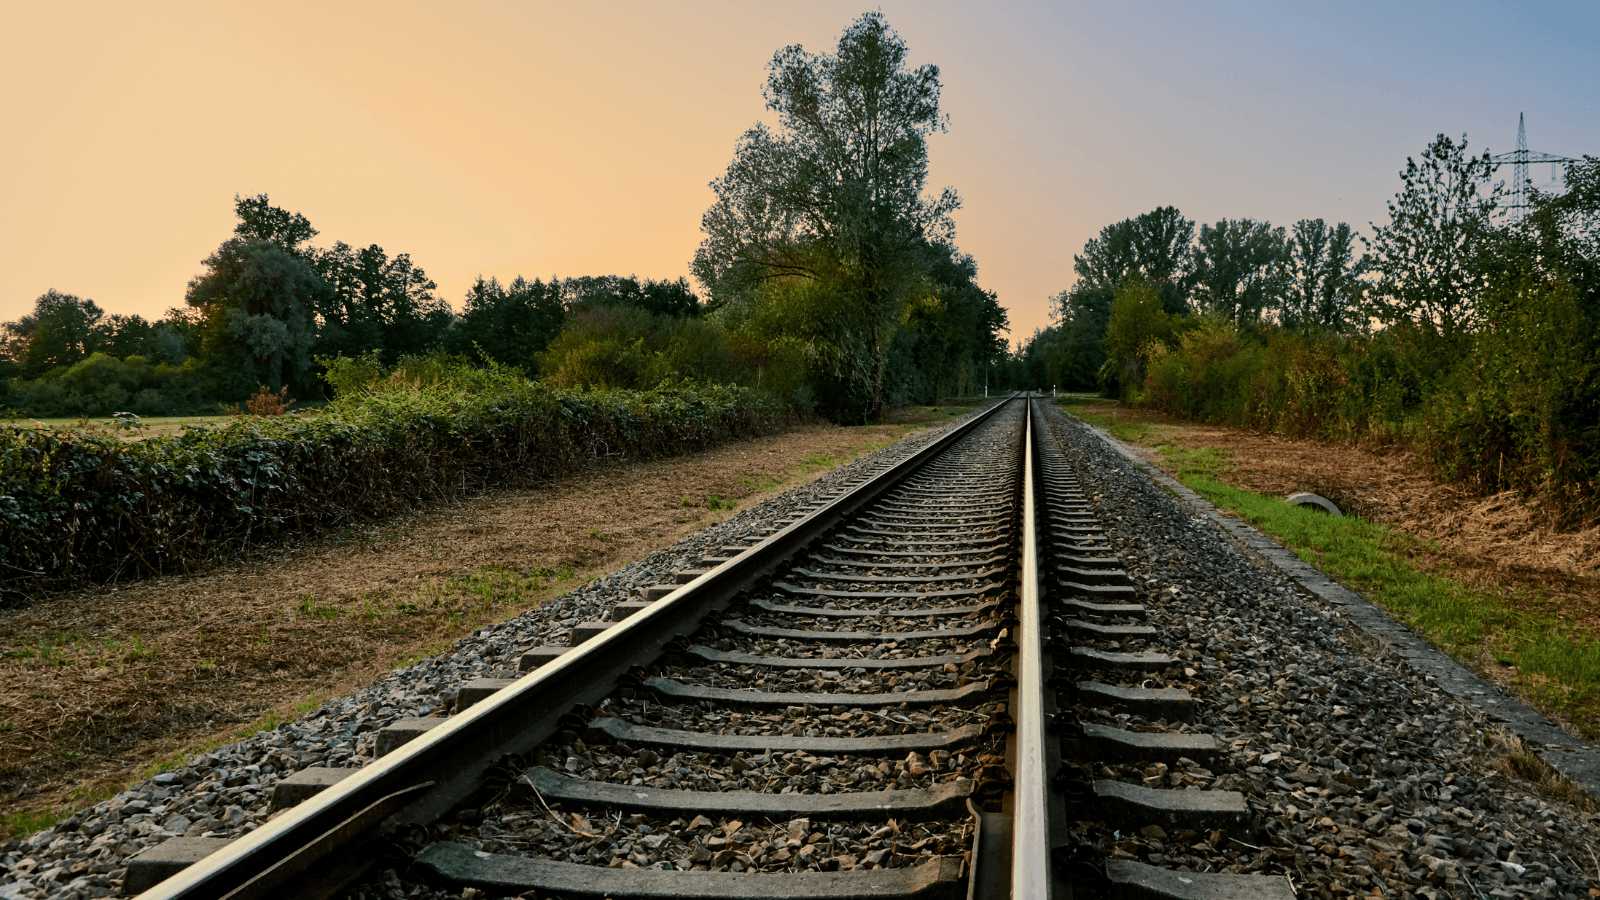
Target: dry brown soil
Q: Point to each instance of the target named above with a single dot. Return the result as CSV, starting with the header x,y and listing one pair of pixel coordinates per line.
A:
x,y
99,686
1499,543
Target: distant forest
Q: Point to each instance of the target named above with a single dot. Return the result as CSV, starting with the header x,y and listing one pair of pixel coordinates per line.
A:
x,y
829,280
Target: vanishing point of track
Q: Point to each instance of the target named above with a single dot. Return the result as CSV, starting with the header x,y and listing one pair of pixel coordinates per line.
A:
x,y
879,699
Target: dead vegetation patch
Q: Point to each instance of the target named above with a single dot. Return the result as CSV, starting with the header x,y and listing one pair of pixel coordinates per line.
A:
x,y
100,686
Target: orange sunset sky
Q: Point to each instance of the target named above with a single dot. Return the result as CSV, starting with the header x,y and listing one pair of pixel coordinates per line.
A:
x,y
566,139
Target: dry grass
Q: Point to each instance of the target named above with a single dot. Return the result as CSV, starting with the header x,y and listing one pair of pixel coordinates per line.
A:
x,y
1512,758
1499,543
102,686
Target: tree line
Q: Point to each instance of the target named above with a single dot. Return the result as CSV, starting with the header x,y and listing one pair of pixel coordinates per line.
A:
x,y
1465,328
829,279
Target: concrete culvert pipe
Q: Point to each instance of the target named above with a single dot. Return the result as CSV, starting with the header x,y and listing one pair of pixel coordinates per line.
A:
x,y
1315,500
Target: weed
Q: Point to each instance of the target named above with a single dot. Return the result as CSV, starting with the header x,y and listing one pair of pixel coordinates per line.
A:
x,y
310,606
715,503
208,665
139,651
820,462
28,821
7,727
595,533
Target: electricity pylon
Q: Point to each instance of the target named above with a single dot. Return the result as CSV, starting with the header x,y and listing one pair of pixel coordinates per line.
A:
x,y
1519,160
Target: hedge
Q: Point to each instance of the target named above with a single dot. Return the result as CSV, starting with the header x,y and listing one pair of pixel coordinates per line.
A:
x,y
77,508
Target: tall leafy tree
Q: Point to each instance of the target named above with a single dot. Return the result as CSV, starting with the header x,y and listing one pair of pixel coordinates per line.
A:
x,y
1240,269
259,220
1432,257
1324,291
376,302
258,304
510,324
834,199
61,330
1077,351
952,332
1156,246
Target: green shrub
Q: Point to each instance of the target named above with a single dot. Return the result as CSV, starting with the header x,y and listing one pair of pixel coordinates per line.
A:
x,y
101,385
1512,406
76,509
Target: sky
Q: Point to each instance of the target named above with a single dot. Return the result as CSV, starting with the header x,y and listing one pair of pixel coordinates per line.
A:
x,y
561,139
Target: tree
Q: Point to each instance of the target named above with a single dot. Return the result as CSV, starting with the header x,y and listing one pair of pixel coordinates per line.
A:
x,y
1156,246
1564,230
377,303
1431,258
834,200
259,220
259,303
951,333
1239,269
1324,291
1081,315
1136,323
509,324
667,298
61,330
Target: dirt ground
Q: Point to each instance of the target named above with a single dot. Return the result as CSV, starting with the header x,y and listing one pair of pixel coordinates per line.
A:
x,y
1499,543
101,686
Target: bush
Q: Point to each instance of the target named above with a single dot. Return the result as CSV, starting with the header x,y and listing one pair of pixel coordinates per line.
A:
x,y
1513,406
101,385
76,508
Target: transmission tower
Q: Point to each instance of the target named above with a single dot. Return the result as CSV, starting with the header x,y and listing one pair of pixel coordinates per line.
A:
x,y
1519,160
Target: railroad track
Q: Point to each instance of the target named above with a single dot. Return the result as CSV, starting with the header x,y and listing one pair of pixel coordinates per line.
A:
x,y
921,688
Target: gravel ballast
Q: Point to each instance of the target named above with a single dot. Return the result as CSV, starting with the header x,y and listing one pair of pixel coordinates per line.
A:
x,y
1363,775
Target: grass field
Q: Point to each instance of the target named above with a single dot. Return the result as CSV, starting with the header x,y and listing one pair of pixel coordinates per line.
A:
x,y
1516,637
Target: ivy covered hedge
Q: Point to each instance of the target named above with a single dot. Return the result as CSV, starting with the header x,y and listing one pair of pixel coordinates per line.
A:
x,y
77,508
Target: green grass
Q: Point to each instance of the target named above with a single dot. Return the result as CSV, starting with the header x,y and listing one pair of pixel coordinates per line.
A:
x,y
1127,431
1557,665
28,821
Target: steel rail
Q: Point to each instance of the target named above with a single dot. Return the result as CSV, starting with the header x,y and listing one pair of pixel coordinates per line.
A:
x,y
1030,834
446,765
